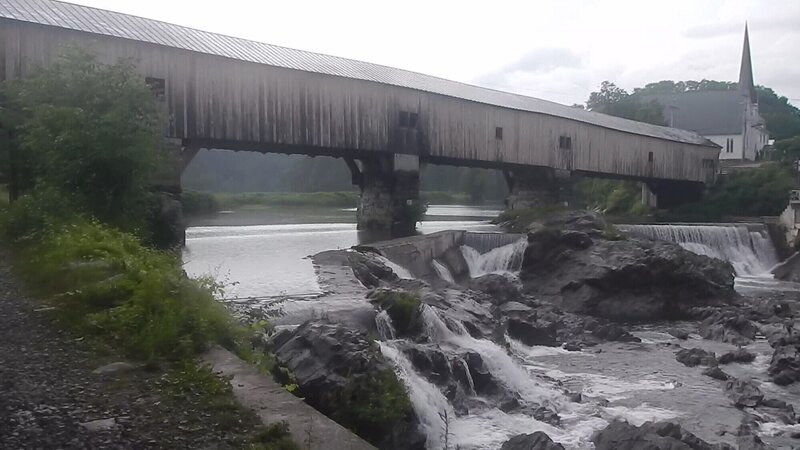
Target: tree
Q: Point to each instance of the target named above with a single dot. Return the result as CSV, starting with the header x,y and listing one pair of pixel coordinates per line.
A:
x,y
615,101
89,130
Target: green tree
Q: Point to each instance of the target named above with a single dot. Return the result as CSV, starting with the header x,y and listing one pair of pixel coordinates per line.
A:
x,y
615,101
89,130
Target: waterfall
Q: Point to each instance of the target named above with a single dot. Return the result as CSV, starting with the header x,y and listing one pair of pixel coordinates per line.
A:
x,y
398,270
507,258
429,403
384,325
443,271
750,251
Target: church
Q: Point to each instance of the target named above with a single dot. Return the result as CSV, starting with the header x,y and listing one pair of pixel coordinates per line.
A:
x,y
730,118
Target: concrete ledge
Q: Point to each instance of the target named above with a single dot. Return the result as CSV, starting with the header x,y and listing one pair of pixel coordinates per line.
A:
x,y
309,428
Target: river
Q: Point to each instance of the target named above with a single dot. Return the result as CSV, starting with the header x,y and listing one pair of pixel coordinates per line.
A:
x,y
265,254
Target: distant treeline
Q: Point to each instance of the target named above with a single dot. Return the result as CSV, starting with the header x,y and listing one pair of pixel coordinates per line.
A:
x,y
221,171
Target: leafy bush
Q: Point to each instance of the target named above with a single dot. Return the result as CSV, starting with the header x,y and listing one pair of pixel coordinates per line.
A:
x,y
756,192
373,406
518,220
105,283
90,129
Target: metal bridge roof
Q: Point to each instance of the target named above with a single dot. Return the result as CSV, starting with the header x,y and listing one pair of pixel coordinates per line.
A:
x,y
109,23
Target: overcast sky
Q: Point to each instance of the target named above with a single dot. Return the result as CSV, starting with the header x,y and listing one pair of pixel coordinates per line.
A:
x,y
556,50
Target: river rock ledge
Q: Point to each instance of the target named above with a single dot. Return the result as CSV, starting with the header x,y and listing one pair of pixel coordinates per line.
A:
x,y
581,263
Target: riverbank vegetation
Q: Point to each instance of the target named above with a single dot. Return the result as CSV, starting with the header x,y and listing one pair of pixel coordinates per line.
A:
x,y
86,143
207,203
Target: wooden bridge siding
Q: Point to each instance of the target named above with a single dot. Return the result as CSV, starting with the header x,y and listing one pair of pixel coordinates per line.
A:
x,y
211,97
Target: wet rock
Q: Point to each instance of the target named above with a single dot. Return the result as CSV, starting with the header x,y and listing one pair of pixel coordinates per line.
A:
x,y
740,356
678,334
534,441
743,393
614,332
728,326
536,332
481,376
572,347
99,425
695,357
339,371
500,288
784,367
623,280
716,373
575,397
115,368
751,442
650,436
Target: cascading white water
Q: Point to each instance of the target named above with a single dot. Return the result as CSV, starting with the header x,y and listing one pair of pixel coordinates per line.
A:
x,y
428,401
442,271
383,323
750,251
507,258
398,270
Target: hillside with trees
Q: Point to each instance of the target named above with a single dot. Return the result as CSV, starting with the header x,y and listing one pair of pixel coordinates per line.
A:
x,y
760,191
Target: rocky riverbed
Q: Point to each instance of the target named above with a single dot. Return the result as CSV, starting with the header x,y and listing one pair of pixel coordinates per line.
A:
x,y
601,340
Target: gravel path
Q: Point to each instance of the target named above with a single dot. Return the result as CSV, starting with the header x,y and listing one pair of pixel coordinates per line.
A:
x,y
47,390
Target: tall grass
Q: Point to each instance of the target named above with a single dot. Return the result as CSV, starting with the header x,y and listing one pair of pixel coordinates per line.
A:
x,y
105,283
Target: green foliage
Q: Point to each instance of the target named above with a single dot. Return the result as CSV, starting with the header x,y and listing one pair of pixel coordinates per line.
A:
x,y
90,129
262,199
612,196
403,308
518,220
199,203
756,192
42,210
373,406
106,284
616,101
274,436
787,149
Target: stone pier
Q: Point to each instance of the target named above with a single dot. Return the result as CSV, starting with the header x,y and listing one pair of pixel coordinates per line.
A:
x,y
537,186
389,192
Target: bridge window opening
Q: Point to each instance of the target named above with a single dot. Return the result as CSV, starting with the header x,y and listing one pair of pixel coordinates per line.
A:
x,y
565,142
498,133
729,145
649,156
408,119
157,85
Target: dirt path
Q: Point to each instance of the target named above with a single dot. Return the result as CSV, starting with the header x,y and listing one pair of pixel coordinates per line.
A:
x,y
48,390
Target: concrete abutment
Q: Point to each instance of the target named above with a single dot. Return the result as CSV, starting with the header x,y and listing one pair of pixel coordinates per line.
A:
x,y
389,192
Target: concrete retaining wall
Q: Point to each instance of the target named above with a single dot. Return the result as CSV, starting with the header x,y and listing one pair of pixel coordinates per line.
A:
x,y
415,253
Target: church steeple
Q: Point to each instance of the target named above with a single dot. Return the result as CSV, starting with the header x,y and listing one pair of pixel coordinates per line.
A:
x,y
746,84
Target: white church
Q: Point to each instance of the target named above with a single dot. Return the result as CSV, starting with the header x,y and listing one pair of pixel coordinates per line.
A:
x,y
730,118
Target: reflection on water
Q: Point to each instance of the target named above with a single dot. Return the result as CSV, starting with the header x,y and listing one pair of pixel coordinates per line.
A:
x,y
265,252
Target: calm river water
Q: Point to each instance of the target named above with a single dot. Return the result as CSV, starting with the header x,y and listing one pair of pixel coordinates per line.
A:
x,y
264,253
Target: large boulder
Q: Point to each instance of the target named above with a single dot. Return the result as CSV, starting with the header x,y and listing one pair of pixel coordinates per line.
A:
x,y
534,441
728,326
340,372
691,357
534,332
499,288
743,393
784,367
592,270
650,436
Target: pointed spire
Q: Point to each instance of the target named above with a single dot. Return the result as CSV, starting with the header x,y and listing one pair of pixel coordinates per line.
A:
x,y
746,84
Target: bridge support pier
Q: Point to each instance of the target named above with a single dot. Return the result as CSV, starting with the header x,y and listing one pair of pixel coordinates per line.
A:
x,y
537,186
166,223
389,193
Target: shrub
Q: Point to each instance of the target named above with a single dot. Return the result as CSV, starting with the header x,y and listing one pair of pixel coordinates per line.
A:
x,y
90,129
199,203
105,283
373,407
